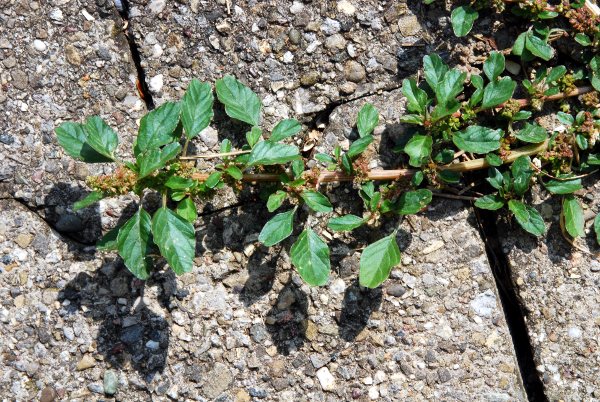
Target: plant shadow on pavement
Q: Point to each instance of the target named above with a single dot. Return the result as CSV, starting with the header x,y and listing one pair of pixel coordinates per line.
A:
x,y
83,227
287,319
131,332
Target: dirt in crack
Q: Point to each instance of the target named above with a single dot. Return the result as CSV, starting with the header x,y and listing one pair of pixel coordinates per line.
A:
x,y
513,310
123,8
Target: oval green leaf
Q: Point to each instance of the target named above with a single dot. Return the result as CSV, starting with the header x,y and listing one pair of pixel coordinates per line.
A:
x,y
377,261
101,137
367,120
478,139
412,202
346,222
277,229
462,19
284,129
196,108
528,217
573,216
176,239
491,202
157,128
134,242
239,100
310,255
272,153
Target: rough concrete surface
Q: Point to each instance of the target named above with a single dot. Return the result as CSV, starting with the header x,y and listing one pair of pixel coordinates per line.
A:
x,y
299,56
243,325
558,286
75,325
60,61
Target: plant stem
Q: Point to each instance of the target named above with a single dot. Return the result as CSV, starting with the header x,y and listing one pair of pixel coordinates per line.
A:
x,y
481,163
216,155
185,148
388,175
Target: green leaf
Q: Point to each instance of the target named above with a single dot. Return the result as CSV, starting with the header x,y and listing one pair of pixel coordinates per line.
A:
x,y
73,138
419,149
277,229
463,18
234,172
442,110
435,69
89,199
239,100
134,242
412,119
316,201
253,136
528,217
538,47
449,176
597,228
101,137
563,186
108,242
196,108
556,73
225,146
494,65
522,172
581,141
450,86
176,239
595,69
565,118
416,98
187,210
495,178
498,92
213,179
284,129
490,201
156,158
275,200
346,222
546,15
179,183
324,158
310,255
519,45
583,39
272,153
494,160
573,216
593,159
347,164
377,261
477,96
297,168
478,139
417,178
367,120
521,115
412,202
157,128
532,133
359,146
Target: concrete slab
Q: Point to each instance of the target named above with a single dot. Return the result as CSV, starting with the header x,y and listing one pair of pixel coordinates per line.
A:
x,y
558,286
60,60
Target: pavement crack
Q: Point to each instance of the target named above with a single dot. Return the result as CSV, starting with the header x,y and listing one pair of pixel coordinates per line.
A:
x,y
36,210
142,86
321,118
514,311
